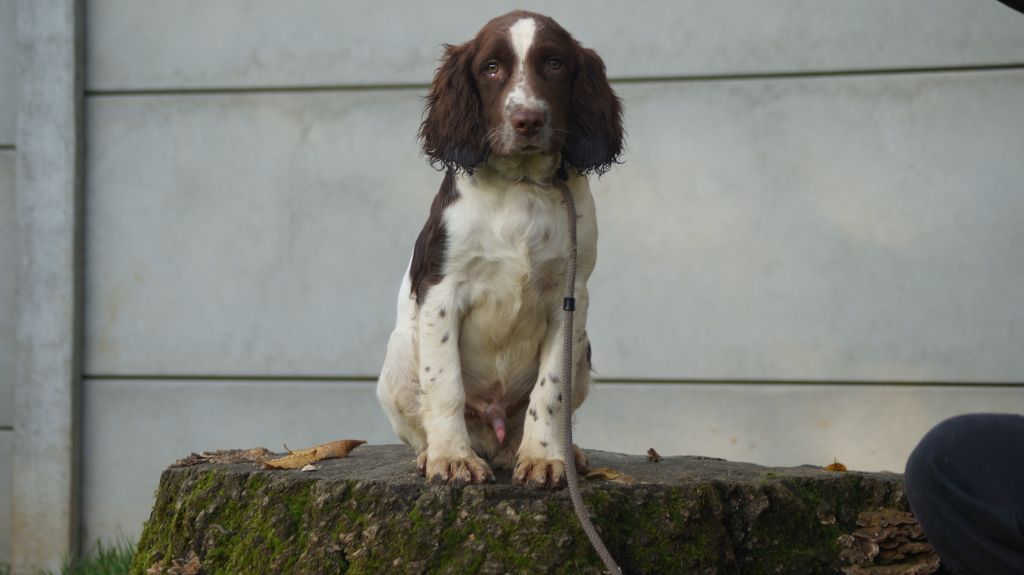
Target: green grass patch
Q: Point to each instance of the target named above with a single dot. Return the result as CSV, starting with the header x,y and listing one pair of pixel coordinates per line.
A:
x,y
104,560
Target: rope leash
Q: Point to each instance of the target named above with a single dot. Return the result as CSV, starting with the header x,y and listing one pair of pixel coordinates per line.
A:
x,y
569,306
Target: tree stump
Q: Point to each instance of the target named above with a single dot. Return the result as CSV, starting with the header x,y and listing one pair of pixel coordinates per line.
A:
x,y
372,513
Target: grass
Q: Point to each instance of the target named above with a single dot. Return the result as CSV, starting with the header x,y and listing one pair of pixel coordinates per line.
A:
x,y
113,560
104,560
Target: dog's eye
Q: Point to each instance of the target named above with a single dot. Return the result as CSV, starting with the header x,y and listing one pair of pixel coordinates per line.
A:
x,y
491,68
553,64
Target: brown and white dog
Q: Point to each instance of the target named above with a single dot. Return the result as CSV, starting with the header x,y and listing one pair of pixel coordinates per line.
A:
x,y
472,367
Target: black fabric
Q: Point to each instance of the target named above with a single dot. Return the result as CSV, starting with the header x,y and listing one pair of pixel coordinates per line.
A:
x,y
965,483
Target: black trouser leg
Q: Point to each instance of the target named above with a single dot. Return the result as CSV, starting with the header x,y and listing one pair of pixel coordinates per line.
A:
x,y
965,483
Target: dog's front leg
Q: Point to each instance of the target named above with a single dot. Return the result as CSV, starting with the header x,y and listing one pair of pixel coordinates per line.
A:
x,y
448,457
539,462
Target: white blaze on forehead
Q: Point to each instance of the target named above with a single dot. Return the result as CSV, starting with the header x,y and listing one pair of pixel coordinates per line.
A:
x,y
522,33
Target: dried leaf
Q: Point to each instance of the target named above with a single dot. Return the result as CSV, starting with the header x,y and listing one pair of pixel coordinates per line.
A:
x,y
302,458
835,466
610,475
653,456
226,456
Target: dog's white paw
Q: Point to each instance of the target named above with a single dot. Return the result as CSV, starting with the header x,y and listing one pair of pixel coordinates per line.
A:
x,y
454,470
540,473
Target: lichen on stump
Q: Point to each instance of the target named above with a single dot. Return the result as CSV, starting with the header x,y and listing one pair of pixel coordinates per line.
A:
x,y
371,513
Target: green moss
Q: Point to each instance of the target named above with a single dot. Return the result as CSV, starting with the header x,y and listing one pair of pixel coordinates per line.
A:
x,y
416,517
791,532
271,535
171,522
238,533
482,535
684,525
256,482
298,503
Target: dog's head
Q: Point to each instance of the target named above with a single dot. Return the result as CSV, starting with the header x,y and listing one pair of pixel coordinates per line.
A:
x,y
523,86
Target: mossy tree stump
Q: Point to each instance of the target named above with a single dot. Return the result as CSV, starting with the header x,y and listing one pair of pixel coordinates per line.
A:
x,y
371,513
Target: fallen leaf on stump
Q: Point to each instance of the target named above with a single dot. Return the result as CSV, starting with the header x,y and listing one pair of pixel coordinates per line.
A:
x,y
304,457
226,456
835,466
611,475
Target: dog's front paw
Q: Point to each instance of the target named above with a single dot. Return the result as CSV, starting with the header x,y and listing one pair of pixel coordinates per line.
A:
x,y
541,473
454,470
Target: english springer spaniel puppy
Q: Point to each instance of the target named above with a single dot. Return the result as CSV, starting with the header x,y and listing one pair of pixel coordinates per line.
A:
x,y
472,367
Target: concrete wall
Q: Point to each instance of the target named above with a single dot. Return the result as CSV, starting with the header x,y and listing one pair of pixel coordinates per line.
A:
x,y
8,260
47,201
814,191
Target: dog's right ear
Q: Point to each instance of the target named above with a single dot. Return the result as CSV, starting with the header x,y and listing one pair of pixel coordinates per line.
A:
x,y
452,132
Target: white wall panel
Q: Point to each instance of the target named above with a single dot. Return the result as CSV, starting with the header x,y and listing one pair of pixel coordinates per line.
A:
x,y
136,44
8,73
866,427
8,261
134,429
841,228
855,229
249,234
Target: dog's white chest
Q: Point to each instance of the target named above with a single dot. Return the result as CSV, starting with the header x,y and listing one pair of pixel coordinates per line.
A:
x,y
508,249
506,243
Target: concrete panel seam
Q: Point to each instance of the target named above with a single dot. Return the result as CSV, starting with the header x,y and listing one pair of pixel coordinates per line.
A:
x,y
346,379
703,78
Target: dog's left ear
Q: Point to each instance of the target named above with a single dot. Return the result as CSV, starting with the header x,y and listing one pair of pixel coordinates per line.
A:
x,y
595,131
453,131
